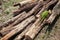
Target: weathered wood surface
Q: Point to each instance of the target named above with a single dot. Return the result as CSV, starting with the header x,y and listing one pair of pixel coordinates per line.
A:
x,y
25,16
55,13
27,7
36,28
18,37
23,3
45,7
12,20
19,28
20,22
7,29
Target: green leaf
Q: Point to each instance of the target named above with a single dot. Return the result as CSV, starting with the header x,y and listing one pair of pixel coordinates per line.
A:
x,y
44,14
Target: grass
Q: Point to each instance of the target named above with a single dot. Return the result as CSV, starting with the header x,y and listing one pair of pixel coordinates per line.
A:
x,y
7,10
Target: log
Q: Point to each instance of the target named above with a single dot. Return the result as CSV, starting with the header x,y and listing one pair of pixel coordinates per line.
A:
x,y
23,17
33,10
20,4
23,33
45,7
36,28
11,20
25,8
55,13
19,28
7,29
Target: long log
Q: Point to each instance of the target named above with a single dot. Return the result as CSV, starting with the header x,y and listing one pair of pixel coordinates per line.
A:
x,y
23,33
19,28
38,5
20,4
7,29
55,12
36,28
45,7
25,8
10,27
23,17
12,20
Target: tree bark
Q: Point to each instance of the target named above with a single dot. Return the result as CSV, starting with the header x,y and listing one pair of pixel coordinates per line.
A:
x,y
12,20
36,28
20,4
23,17
19,28
23,33
45,7
25,8
7,29
55,13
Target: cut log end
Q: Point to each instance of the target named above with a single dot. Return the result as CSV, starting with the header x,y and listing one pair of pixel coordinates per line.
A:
x,y
28,37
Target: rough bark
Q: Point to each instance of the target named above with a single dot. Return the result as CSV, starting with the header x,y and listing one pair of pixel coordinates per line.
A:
x,y
23,33
19,28
12,20
7,29
20,4
25,16
25,8
45,7
55,13
36,28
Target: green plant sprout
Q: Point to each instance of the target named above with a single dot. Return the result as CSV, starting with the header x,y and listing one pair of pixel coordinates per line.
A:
x,y
44,14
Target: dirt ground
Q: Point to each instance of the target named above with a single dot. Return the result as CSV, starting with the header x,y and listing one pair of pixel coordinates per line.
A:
x,y
51,32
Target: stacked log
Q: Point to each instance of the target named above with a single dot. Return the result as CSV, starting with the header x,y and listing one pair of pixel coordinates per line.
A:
x,y
27,20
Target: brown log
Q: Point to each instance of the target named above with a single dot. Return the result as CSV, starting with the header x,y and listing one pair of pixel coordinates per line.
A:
x,y
11,20
20,4
40,3
45,7
23,33
23,17
25,8
7,29
19,28
55,13
36,28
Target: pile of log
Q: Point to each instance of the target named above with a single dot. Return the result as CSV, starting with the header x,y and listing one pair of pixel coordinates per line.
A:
x,y
27,20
